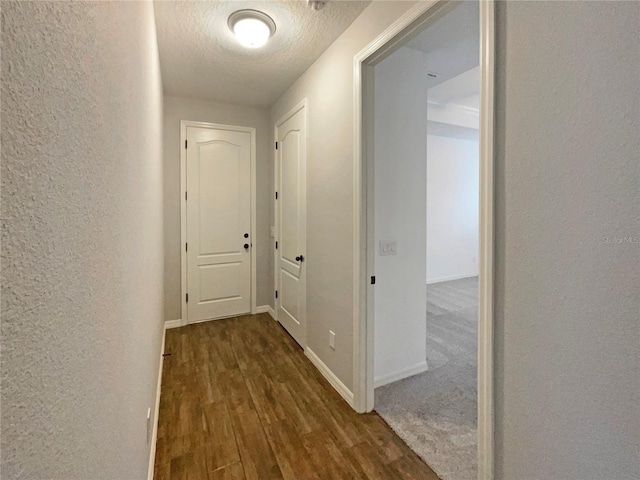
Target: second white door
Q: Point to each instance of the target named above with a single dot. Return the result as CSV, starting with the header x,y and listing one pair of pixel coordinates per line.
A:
x,y
291,223
219,236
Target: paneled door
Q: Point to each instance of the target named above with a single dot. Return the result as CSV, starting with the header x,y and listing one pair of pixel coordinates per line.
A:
x,y
218,231
291,223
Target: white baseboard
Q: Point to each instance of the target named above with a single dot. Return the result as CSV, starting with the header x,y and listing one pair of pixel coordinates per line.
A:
x,y
172,324
448,279
401,374
335,382
266,309
156,412
263,309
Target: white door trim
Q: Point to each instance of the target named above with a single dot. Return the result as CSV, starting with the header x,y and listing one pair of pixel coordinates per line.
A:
x,y
375,51
276,217
486,265
183,207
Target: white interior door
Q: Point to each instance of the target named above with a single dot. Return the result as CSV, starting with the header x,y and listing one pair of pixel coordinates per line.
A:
x,y
218,203
291,224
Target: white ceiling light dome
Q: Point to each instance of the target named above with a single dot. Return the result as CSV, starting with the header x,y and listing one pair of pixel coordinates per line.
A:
x,y
252,28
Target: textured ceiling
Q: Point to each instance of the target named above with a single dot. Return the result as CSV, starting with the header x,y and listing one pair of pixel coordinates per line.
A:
x,y
200,57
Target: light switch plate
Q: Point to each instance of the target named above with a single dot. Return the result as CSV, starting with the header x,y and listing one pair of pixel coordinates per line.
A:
x,y
388,247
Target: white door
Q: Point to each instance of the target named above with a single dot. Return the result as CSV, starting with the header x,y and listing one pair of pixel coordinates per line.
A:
x,y
291,224
218,202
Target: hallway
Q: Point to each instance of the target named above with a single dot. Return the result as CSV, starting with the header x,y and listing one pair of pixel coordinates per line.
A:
x,y
94,231
240,401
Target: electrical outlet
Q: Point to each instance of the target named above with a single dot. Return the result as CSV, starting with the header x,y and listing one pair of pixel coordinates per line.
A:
x,y
148,425
332,340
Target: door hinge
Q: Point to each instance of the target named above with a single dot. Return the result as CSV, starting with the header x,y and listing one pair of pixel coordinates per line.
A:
x,y
276,293
185,143
276,145
276,195
185,196
186,247
276,245
373,280
187,298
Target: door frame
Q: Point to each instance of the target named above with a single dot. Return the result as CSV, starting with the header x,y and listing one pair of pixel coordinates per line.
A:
x,y
363,208
184,124
303,104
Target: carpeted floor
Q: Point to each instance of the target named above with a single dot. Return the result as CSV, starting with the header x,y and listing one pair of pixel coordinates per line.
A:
x,y
436,412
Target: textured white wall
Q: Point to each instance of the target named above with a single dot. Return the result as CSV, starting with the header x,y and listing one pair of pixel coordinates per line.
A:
x,y
328,85
82,254
453,168
400,301
568,302
176,109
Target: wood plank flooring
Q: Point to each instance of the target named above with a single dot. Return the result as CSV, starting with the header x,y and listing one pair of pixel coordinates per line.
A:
x,y
240,401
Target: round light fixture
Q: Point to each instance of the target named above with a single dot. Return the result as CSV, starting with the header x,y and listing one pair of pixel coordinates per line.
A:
x,y
251,27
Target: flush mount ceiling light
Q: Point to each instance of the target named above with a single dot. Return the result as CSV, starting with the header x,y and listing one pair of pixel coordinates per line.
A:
x,y
251,27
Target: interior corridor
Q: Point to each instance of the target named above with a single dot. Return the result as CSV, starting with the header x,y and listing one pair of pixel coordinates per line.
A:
x,y
96,244
240,401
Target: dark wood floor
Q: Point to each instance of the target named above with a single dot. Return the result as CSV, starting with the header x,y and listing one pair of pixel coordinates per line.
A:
x,y
241,401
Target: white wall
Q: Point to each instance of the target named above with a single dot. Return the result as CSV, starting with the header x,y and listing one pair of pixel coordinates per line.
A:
x,y
568,301
176,109
400,145
452,208
328,85
82,253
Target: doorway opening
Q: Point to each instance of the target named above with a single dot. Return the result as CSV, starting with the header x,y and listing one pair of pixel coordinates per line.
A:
x,y
424,236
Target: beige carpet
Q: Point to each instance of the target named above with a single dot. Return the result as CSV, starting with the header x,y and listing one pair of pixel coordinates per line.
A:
x,y
436,412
